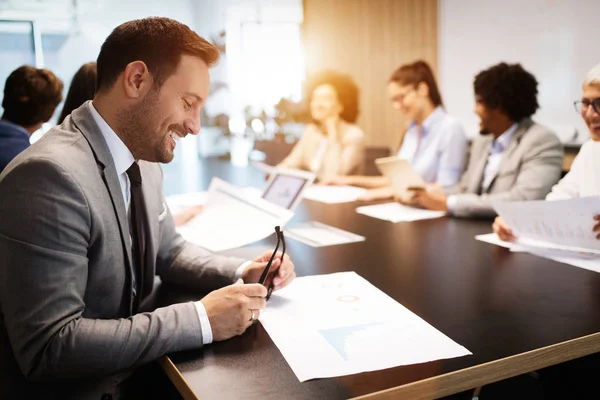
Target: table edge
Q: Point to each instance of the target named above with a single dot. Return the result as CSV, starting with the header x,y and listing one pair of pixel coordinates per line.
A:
x,y
178,380
493,371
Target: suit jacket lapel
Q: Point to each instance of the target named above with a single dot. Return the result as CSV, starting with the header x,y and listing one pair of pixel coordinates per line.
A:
x,y
482,157
84,121
512,146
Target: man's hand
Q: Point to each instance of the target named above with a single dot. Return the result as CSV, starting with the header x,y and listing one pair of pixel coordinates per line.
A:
x,y
284,276
232,309
503,231
430,200
597,226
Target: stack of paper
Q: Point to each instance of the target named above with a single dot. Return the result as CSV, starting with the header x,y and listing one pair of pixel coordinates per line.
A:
x,y
396,212
233,219
561,224
340,324
334,194
316,234
585,260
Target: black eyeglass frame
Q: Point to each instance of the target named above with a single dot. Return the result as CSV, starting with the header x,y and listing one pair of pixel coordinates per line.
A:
x,y
265,273
580,104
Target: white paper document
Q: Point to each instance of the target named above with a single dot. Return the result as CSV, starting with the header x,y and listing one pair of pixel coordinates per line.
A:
x,y
334,194
396,212
316,234
340,324
560,224
233,219
585,260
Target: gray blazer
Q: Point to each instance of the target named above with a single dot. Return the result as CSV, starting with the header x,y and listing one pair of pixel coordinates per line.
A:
x,y
66,272
529,168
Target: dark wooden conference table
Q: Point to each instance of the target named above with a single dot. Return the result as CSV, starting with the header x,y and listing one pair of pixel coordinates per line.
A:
x,y
515,312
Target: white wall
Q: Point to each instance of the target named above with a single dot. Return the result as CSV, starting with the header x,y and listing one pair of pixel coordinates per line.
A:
x,y
556,40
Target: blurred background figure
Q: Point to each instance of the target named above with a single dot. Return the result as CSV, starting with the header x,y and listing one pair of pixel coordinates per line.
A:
x,y
332,144
30,97
434,142
82,89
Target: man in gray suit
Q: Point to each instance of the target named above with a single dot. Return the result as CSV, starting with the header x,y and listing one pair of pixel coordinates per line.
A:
x,y
81,240
513,159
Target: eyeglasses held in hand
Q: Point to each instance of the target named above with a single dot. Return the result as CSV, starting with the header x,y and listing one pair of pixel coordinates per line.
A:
x,y
583,105
265,273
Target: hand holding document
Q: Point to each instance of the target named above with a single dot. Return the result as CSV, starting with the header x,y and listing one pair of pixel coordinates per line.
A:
x,y
401,175
334,194
396,212
585,260
232,219
560,224
316,234
340,324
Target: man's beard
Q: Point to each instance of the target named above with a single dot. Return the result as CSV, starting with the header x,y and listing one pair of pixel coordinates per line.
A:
x,y
138,127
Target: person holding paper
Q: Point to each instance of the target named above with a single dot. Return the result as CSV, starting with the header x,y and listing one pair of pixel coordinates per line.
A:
x,y
332,144
85,229
514,158
434,143
583,179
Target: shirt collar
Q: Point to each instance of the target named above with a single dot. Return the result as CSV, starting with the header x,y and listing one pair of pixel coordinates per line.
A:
x,y
15,127
502,141
121,155
436,115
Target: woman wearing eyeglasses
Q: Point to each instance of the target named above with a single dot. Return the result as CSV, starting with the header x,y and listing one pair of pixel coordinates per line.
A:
x,y
584,177
434,143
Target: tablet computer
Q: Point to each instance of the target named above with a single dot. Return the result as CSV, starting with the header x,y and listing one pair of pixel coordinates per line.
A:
x,y
285,187
400,173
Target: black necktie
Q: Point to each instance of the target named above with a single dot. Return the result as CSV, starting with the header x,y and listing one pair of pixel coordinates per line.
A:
x,y
137,227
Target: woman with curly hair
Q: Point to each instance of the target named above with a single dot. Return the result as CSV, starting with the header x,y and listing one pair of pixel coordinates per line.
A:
x,y
332,144
513,159
434,142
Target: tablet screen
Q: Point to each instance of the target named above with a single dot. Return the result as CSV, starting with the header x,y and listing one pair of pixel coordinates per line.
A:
x,y
284,190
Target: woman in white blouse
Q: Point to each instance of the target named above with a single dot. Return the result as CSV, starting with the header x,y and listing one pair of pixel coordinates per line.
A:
x,y
434,143
332,145
584,177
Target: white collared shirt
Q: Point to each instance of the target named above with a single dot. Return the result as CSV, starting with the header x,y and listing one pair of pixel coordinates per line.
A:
x,y
123,159
439,154
497,149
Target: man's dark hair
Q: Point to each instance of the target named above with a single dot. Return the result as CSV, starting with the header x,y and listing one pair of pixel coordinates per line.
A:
x,y
508,88
31,95
158,42
347,91
83,88
415,73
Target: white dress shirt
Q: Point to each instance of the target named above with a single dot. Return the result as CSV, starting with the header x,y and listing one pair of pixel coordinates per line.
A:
x,y
583,179
438,153
497,149
123,159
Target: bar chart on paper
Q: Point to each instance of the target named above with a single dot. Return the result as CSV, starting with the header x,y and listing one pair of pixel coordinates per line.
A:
x,y
340,324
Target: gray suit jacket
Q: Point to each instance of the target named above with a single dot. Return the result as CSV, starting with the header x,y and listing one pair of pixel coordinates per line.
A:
x,y
529,168
66,272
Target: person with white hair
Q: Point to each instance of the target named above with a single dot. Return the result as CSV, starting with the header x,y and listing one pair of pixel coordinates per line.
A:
x,y
583,179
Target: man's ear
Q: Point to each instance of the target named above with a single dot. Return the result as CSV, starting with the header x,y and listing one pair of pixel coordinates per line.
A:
x,y
136,79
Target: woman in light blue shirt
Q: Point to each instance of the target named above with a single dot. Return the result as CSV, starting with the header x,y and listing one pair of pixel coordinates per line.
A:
x,y
434,143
